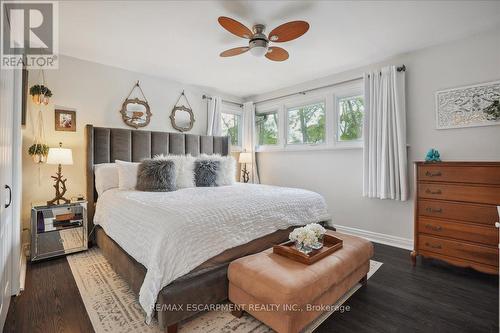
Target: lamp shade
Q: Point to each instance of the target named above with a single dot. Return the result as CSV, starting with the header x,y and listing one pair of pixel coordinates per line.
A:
x,y
62,156
245,158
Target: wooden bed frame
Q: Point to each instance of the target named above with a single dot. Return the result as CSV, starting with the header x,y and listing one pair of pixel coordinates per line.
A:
x,y
208,283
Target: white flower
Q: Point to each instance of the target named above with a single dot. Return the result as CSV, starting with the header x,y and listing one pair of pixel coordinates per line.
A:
x,y
304,236
316,228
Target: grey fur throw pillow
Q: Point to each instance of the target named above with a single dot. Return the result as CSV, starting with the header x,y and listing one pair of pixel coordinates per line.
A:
x,y
156,176
205,173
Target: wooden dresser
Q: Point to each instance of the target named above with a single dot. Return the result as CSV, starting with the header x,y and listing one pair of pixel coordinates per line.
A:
x,y
455,213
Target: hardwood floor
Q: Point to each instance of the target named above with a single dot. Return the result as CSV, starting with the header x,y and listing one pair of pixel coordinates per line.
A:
x,y
50,302
432,297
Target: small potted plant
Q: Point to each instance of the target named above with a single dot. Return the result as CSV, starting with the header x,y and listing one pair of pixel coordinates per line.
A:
x,y
39,152
40,94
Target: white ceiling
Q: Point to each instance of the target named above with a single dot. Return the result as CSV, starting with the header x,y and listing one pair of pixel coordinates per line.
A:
x,y
181,40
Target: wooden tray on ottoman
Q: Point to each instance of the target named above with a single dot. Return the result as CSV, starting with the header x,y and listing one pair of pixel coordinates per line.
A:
x,y
330,245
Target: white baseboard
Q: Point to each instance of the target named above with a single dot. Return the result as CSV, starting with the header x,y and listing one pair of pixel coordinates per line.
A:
x,y
376,237
23,263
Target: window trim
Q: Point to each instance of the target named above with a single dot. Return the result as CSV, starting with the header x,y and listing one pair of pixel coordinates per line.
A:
x,y
238,111
329,97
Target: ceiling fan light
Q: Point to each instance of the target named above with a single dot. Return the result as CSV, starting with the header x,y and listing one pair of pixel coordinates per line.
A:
x,y
258,51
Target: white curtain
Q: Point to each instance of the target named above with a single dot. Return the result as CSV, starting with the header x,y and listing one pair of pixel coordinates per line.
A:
x,y
214,116
384,154
249,139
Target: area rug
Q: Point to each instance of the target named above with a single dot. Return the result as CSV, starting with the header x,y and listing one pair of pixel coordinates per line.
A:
x,y
113,307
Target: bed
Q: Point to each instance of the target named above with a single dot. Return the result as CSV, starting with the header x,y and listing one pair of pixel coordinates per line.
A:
x,y
174,248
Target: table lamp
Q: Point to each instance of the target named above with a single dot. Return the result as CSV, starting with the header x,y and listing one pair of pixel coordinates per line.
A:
x,y
244,159
59,156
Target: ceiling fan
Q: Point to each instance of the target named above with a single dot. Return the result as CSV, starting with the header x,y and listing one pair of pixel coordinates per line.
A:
x,y
258,43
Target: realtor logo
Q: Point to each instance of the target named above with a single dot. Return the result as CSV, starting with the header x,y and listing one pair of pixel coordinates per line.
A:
x,y
29,34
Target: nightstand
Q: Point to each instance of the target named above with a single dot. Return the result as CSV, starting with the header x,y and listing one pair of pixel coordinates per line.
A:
x,y
58,229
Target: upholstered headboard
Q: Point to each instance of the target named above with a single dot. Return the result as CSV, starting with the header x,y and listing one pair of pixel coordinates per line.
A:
x,y
105,145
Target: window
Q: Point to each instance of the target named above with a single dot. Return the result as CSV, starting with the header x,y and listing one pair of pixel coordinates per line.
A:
x,y
266,126
350,118
231,126
306,124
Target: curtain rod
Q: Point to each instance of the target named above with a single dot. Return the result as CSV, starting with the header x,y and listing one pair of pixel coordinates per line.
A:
x,y
399,69
224,101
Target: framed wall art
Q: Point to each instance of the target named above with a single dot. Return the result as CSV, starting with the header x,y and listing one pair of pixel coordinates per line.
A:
x,y
65,120
467,106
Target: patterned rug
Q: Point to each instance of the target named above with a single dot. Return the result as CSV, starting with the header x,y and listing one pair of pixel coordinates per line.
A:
x,y
113,307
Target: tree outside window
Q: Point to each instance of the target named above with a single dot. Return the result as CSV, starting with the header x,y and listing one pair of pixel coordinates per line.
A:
x,y
231,126
351,110
306,124
266,125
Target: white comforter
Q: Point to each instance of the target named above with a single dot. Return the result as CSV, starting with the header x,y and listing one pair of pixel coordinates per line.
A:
x,y
171,233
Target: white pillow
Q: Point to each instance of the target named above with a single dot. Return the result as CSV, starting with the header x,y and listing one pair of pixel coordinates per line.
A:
x,y
106,177
127,174
227,171
184,169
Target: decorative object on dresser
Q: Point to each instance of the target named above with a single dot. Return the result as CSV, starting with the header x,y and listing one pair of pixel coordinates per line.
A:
x,y
58,229
467,106
245,158
455,213
433,156
65,120
182,117
136,112
60,156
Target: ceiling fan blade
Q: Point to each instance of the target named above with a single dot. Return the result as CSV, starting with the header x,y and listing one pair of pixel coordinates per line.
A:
x,y
275,53
235,27
235,51
288,31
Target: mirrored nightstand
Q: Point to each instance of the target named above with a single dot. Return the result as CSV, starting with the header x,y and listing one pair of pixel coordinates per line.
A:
x,y
58,230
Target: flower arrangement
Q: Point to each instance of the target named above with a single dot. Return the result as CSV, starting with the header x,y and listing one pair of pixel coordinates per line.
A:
x,y
308,238
304,236
318,230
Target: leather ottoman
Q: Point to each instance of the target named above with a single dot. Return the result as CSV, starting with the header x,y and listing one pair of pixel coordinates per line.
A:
x,y
287,295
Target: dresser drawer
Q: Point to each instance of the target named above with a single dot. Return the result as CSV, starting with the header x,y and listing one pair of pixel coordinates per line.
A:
x,y
452,248
460,174
478,194
457,230
476,213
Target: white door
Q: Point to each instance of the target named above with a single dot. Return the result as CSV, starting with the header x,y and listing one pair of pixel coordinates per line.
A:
x,y
6,114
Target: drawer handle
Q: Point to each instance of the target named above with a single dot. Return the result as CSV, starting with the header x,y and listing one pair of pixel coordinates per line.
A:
x,y
429,191
433,246
433,174
432,210
433,227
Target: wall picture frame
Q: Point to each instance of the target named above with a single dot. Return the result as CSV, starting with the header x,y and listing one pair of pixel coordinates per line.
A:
x,y
65,120
463,106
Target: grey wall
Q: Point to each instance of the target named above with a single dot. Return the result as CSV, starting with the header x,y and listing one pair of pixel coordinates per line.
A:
x,y
337,174
96,92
